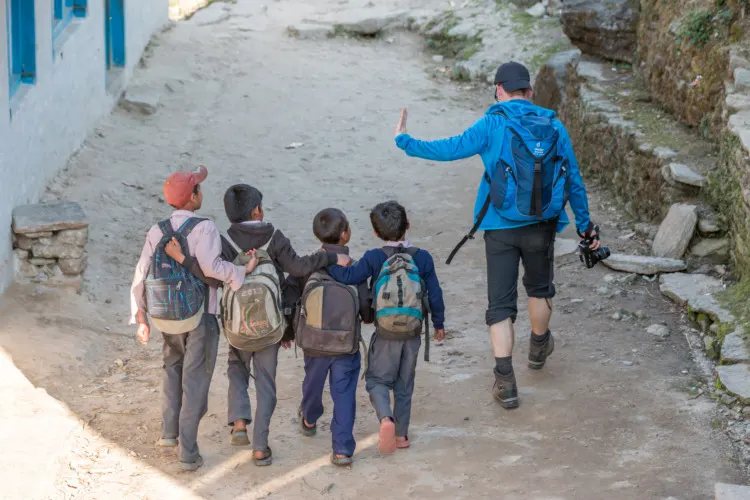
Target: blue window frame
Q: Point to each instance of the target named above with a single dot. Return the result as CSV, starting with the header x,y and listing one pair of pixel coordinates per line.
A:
x,y
114,33
21,43
63,11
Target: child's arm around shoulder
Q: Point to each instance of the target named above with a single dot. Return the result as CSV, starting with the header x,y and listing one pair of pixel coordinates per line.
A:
x,y
367,267
434,292
282,252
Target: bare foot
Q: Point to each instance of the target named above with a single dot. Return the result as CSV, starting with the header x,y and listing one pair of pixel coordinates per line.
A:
x,y
260,455
240,425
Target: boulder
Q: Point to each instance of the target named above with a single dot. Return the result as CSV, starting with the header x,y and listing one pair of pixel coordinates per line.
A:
x,y
675,231
736,378
552,80
710,246
54,216
73,267
604,28
661,332
734,349
640,264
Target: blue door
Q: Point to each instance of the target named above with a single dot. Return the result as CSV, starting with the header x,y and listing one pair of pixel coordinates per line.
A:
x,y
114,33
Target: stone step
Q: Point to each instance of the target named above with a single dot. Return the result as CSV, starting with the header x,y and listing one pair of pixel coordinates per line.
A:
x,y
676,231
645,265
677,172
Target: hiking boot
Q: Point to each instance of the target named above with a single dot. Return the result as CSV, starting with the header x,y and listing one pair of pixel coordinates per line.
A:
x,y
538,353
505,391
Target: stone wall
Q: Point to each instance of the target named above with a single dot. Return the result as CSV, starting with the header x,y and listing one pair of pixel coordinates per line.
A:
x,y
683,58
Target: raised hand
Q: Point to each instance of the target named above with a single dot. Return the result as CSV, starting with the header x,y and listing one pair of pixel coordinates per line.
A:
x,y
401,127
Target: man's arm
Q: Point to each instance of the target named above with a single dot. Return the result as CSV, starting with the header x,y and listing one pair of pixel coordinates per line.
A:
x,y
471,142
577,196
281,251
138,289
355,274
207,252
434,291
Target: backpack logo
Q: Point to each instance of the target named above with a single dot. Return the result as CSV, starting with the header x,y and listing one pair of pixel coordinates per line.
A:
x,y
538,150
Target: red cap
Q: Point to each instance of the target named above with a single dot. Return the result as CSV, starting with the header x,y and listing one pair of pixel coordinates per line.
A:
x,y
178,188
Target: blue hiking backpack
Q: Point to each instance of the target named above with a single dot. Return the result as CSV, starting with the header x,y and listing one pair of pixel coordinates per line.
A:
x,y
174,296
528,182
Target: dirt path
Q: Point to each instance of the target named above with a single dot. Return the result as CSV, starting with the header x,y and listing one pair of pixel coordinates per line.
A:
x,y
610,416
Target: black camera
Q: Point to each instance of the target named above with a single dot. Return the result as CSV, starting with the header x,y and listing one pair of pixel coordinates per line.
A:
x,y
590,257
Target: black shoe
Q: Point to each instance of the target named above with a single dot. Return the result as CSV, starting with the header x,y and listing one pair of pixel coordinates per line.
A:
x,y
538,353
505,391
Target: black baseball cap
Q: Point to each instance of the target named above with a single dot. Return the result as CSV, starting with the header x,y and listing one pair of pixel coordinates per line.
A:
x,y
513,76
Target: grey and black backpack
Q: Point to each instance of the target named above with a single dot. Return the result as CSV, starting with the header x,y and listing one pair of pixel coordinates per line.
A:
x,y
174,296
327,321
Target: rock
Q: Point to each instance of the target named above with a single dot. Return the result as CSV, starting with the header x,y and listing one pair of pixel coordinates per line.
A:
x,y
215,13
538,10
21,254
309,31
551,82
664,153
708,225
602,28
554,7
565,246
742,79
661,332
59,279
647,231
23,268
140,100
640,264
735,349
711,346
603,291
736,378
738,102
43,234
684,175
437,58
73,267
728,400
38,261
675,231
682,287
54,250
617,316
54,216
366,22
725,491
709,246
77,237
23,242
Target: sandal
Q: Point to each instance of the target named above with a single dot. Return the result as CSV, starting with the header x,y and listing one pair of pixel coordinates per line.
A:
x,y
387,442
266,460
239,438
306,431
403,444
341,461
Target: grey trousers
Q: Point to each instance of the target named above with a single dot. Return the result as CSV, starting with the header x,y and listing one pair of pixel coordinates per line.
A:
x,y
264,370
189,360
392,367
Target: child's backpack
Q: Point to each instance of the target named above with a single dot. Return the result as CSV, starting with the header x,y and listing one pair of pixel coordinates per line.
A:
x,y
400,298
174,296
327,321
528,183
253,316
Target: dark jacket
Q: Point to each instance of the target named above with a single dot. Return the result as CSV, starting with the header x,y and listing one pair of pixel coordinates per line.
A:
x,y
253,236
295,287
368,267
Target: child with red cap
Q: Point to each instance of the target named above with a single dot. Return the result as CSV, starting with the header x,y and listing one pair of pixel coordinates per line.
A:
x,y
183,309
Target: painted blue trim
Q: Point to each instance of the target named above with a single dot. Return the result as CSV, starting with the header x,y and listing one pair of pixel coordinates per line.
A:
x,y
62,15
79,7
402,311
114,25
21,44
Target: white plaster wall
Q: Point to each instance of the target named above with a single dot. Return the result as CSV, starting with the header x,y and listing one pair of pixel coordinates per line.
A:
x,y
52,118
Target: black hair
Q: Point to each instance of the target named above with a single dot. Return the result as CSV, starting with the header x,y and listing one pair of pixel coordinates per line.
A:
x,y
239,202
329,224
196,188
389,221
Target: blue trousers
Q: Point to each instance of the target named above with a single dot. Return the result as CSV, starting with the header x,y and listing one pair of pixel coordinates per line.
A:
x,y
342,372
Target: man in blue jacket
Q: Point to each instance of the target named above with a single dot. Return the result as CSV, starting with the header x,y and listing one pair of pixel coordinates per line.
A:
x,y
531,173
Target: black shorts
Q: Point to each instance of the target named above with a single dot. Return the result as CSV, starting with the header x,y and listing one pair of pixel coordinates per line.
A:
x,y
534,246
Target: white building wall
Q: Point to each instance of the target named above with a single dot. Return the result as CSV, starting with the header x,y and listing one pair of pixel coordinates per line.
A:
x,y
51,118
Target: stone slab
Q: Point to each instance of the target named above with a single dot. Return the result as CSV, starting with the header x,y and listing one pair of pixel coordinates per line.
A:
x,y
710,246
309,31
696,291
365,21
565,246
738,102
54,216
736,378
675,231
725,491
684,175
641,264
735,349
742,79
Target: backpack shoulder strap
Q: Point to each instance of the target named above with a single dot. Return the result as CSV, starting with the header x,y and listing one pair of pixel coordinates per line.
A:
x,y
165,227
390,251
234,245
187,227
